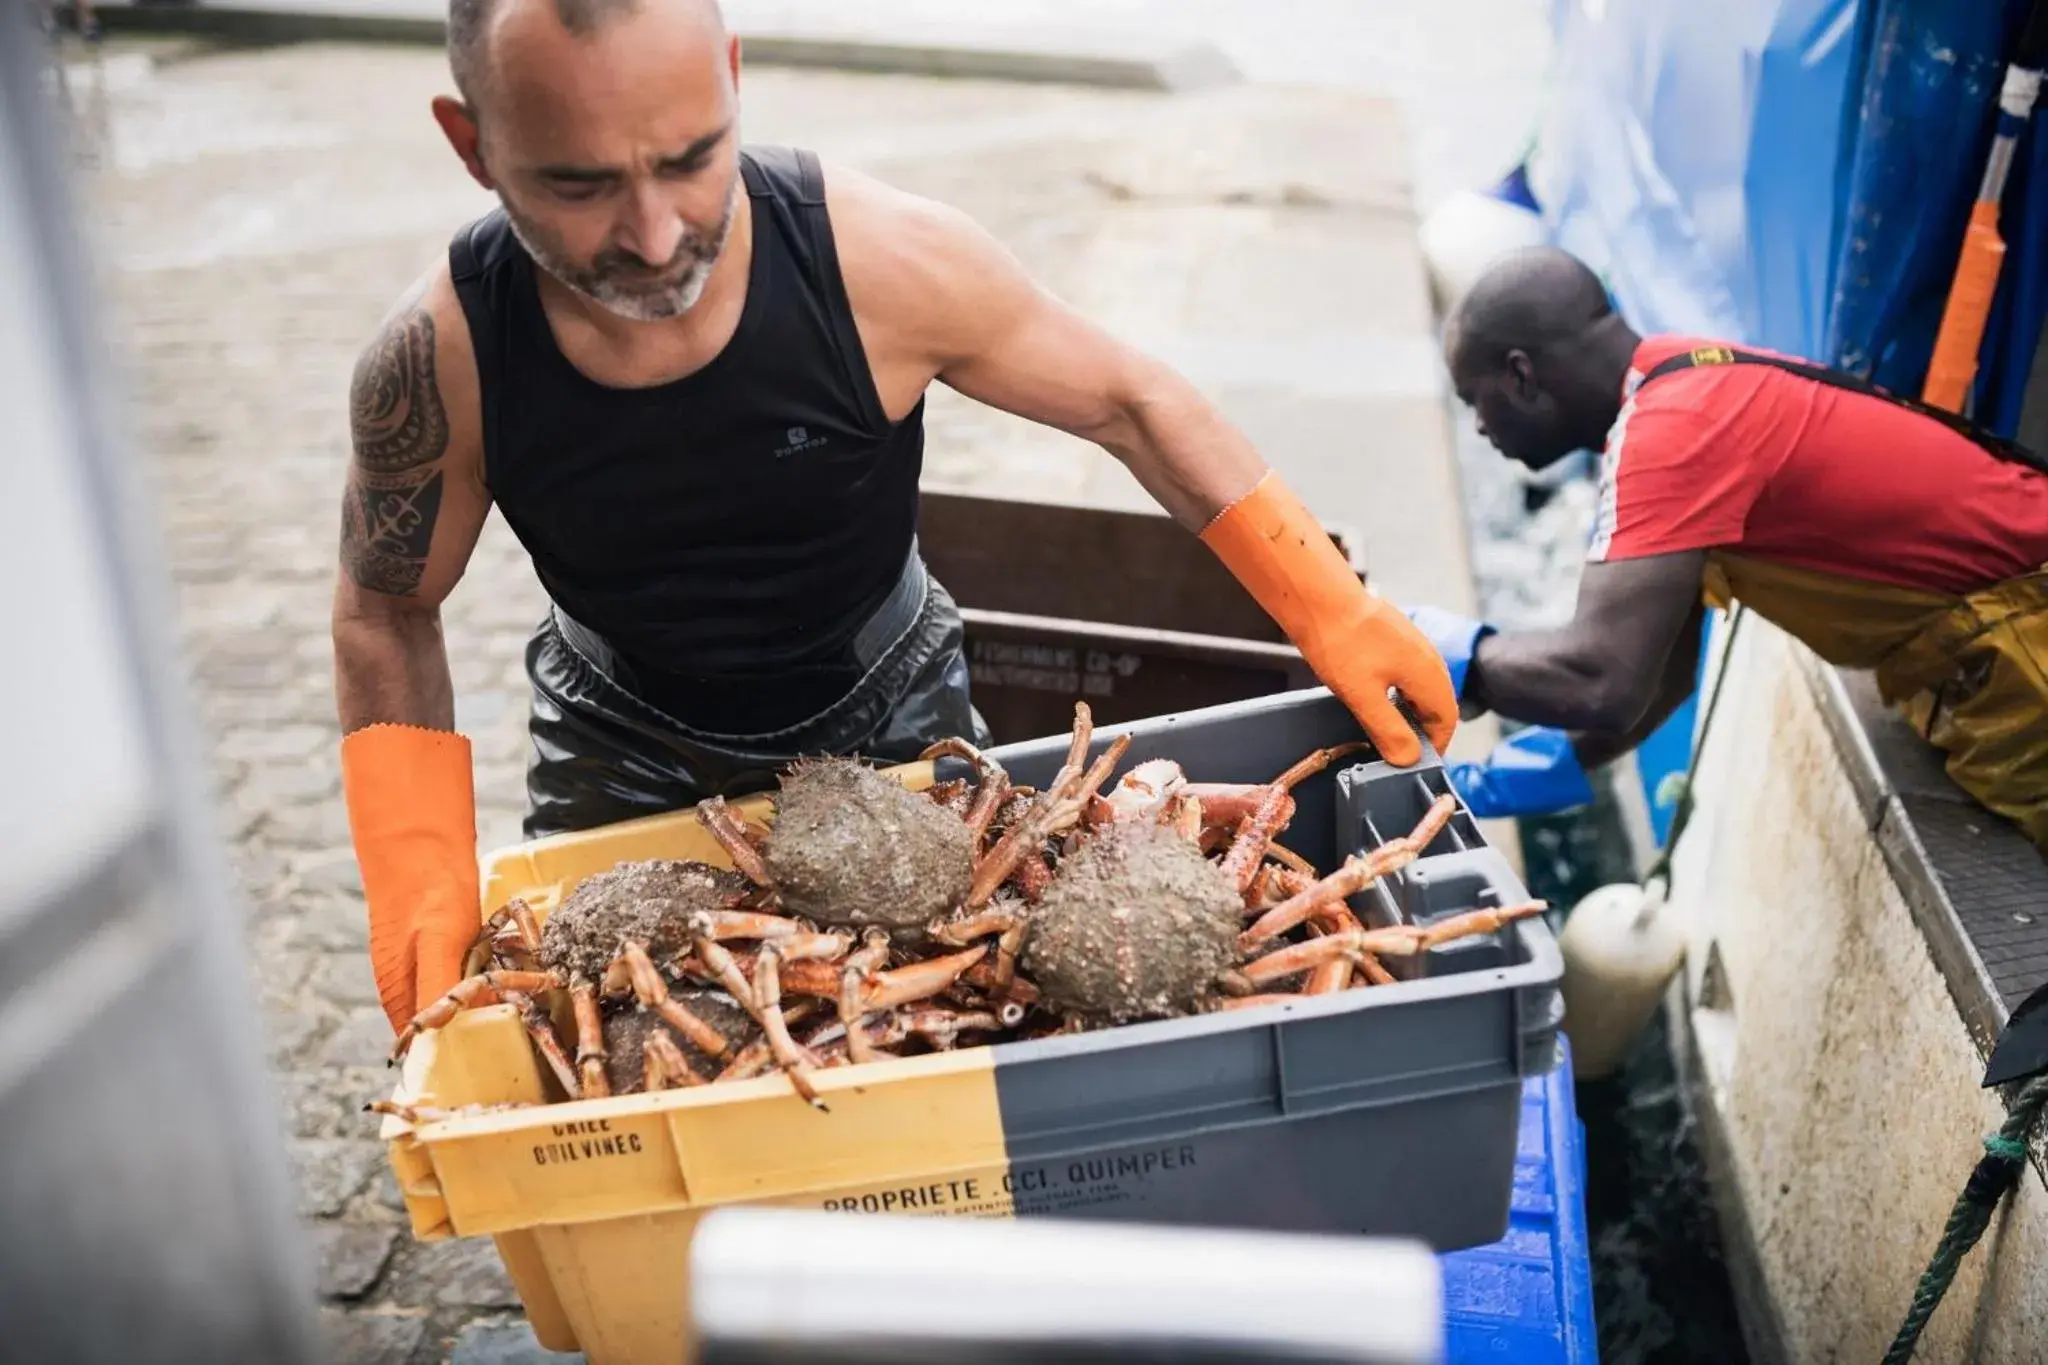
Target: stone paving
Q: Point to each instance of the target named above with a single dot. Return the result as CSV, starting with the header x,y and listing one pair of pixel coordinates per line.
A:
x,y
259,210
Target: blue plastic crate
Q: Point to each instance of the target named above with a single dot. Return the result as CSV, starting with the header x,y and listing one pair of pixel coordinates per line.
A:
x,y
1528,1298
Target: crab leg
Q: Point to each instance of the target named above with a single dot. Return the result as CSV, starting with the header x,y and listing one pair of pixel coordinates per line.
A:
x,y
835,1045
1248,850
1008,945
917,981
1302,957
1226,803
725,969
1336,976
1289,859
1400,940
725,924
1233,982
652,992
1098,773
466,994
1357,873
750,1061
755,1058
542,1032
995,789
1288,882
1480,922
514,915
1019,992
590,1050
822,980
525,921
942,1028
814,947
1268,889
664,1065
768,1012
417,1114
1077,747
796,941
1432,823
961,932
1317,761
984,766
860,968
721,824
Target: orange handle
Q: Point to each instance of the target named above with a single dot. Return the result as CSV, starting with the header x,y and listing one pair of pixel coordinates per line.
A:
x,y
1954,366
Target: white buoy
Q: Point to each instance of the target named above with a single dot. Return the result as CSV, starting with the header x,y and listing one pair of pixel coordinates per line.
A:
x,y
1622,944
1468,232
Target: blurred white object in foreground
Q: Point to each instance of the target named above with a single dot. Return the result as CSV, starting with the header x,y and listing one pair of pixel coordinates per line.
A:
x,y
792,1286
145,1215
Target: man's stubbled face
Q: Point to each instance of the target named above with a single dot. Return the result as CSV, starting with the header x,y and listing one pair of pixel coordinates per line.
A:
x,y
616,277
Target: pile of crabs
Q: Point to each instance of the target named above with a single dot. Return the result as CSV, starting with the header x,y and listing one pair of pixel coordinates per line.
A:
x,y
871,921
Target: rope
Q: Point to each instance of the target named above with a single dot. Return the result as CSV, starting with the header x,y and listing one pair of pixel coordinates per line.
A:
x,y
1681,813
2005,1156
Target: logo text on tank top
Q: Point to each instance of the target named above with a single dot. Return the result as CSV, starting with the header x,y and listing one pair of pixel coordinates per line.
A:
x,y
797,440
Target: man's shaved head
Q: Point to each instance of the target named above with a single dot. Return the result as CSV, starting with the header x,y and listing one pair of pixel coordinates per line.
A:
x,y
1528,301
1537,350
609,130
470,23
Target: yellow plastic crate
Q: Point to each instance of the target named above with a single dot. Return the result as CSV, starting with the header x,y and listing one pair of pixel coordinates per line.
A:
x,y
593,1202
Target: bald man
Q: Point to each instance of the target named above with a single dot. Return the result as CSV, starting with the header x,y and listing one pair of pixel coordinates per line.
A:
x,y
1884,536
690,373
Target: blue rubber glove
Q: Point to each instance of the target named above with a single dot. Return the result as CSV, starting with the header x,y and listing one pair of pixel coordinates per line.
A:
x,y
1533,772
1455,637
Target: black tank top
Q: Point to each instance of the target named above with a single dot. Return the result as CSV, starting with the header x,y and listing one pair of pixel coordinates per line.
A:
x,y
726,533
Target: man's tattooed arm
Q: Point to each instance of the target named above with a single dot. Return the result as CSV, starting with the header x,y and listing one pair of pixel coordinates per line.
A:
x,y
410,515
400,433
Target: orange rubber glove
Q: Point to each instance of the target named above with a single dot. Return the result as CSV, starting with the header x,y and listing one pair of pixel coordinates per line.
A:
x,y
1357,644
412,809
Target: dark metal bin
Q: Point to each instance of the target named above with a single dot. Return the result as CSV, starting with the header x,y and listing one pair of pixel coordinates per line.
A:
x,y
1124,610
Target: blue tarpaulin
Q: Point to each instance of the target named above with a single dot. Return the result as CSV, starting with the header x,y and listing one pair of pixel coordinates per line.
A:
x,y
1795,174
1923,119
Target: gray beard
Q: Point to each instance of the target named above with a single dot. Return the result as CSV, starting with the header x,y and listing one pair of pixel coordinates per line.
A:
x,y
635,305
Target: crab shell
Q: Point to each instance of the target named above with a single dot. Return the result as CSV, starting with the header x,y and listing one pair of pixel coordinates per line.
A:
x,y
851,848
1136,925
626,1030
649,903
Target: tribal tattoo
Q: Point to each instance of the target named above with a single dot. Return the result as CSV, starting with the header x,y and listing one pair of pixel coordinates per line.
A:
x,y
394,403
401,431
387,528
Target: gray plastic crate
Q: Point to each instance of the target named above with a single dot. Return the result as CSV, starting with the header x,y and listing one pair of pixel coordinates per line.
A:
x,y
1389,1110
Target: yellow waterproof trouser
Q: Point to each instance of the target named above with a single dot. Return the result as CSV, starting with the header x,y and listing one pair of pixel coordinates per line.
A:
x,y
1970,672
